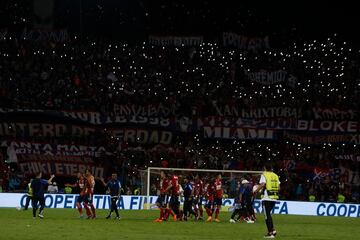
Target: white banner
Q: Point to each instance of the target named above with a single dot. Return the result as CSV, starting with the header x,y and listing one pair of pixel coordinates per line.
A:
x,y
137,203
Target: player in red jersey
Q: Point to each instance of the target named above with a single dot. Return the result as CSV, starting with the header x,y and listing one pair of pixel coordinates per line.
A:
x,y
198,187
80,183
174,203
218,196
163,198
89,191
209,194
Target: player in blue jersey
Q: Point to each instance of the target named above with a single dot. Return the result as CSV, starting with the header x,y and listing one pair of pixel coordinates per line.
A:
x,y
39,187
188,198
243,203
114,189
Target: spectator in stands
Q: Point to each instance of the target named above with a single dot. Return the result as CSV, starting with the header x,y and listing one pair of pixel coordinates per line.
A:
x,y
53,188
14,182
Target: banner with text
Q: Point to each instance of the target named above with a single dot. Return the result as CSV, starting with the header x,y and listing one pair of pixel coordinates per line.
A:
x,y
138,202
239,133
140,135
244,42
60,159
321,139
334,114
265,77
175,40
42,35
293,124
234,110
352,157
124,117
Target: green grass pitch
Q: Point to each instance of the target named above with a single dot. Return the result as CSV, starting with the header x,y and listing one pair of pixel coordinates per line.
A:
x,y
65,224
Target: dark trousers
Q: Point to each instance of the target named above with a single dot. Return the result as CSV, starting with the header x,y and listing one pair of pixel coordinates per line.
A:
x,y
236,212
241,210
174,204
28,199
188,208
268,207
38,201
114,206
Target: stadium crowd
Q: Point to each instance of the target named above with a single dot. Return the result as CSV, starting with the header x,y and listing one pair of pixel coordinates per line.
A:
x,y
93,76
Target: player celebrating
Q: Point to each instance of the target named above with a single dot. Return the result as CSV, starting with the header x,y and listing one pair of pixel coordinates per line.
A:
x,y
89,191
163,198
198,197
80,183
38,186
209,194
114,188
218,197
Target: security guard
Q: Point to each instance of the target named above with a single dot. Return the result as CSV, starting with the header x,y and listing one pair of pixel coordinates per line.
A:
x,y
29,196
341,198
269,181
68,190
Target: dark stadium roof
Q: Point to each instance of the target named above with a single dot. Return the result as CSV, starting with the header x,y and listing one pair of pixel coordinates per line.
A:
x,y
138,18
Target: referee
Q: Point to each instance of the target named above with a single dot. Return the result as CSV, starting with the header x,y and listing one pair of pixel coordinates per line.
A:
x,y
114,188
269,181
39,186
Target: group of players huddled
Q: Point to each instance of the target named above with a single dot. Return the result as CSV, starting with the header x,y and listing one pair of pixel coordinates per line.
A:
x,y
195,191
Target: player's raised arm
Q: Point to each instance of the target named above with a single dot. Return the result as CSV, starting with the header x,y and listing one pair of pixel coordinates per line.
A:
x,y
51,178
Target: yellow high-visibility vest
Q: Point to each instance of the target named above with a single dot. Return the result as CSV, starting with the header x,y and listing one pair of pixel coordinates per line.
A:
x,y
341,198
30,192
272,185
312,198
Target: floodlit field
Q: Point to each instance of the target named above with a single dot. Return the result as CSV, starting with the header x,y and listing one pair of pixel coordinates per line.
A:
x,y
65,224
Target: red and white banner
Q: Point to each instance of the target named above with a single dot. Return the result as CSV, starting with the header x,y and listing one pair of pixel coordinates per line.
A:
x,y
60,159
283,124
